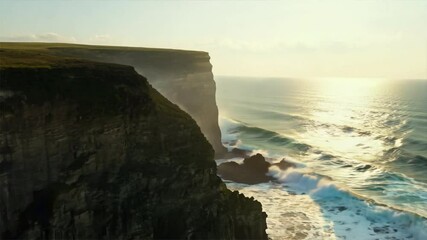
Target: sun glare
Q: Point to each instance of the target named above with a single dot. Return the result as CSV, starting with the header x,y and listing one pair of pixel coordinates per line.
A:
x,y
342,105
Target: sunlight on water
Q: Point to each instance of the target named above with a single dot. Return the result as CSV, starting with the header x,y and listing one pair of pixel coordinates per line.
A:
x,y
344,121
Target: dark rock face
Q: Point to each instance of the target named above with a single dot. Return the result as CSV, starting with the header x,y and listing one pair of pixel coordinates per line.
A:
x,y
253,170
183,77
92,151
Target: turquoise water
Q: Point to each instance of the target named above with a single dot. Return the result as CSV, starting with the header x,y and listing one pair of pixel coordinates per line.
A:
x,y
366,136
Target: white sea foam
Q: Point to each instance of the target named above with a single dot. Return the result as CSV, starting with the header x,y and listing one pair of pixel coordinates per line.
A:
x,y
351,217
263,152
304,205
238,160
227,125
289,216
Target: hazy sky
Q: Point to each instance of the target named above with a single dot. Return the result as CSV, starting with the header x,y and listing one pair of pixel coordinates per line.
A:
x,y
252,38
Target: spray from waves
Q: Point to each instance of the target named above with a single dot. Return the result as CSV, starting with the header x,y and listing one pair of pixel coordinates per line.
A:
x,y
350,211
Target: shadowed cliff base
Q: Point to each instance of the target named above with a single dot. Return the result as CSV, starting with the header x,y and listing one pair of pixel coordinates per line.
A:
x,y
91,151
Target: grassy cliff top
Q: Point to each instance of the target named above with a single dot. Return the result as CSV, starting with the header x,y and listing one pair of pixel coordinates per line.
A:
x,y
36,58
48,55
45,46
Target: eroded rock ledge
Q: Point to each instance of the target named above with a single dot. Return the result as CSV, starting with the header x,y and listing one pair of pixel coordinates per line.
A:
x,y
92,151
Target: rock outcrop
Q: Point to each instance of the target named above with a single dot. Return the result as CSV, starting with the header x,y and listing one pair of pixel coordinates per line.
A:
x,y
183,77
253,170
236,153
91,151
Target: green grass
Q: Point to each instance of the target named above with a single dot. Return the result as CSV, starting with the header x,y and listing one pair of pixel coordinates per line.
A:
x,y
46,46
18,58
49,55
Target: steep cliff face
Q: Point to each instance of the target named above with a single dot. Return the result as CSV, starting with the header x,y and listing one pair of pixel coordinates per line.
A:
x,y
183,77
91,150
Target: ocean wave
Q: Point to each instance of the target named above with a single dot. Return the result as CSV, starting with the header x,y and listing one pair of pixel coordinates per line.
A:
x,y
326,156
335,128
352,210
273,138
416,144
390,177
232,129
414,160
260,132
363,167
399,156
282,116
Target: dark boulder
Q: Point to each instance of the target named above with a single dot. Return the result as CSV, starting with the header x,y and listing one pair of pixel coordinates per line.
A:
x,y
283,165
235,152
253,170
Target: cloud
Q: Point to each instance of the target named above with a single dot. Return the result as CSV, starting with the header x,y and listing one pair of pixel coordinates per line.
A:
x,y
100,39
97,39
44,37
55,37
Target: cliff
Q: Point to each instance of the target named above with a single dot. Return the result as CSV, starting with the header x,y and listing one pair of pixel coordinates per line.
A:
x,y
183,77
91,151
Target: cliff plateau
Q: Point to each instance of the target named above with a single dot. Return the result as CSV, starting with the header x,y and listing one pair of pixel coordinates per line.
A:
x,y
91,151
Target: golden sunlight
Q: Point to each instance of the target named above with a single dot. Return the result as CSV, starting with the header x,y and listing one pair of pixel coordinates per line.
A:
x,y
341,114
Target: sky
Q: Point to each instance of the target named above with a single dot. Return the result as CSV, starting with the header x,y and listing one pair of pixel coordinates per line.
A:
x,y
297,39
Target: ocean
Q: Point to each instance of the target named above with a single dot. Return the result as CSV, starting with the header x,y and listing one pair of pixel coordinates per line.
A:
x,y
359,146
